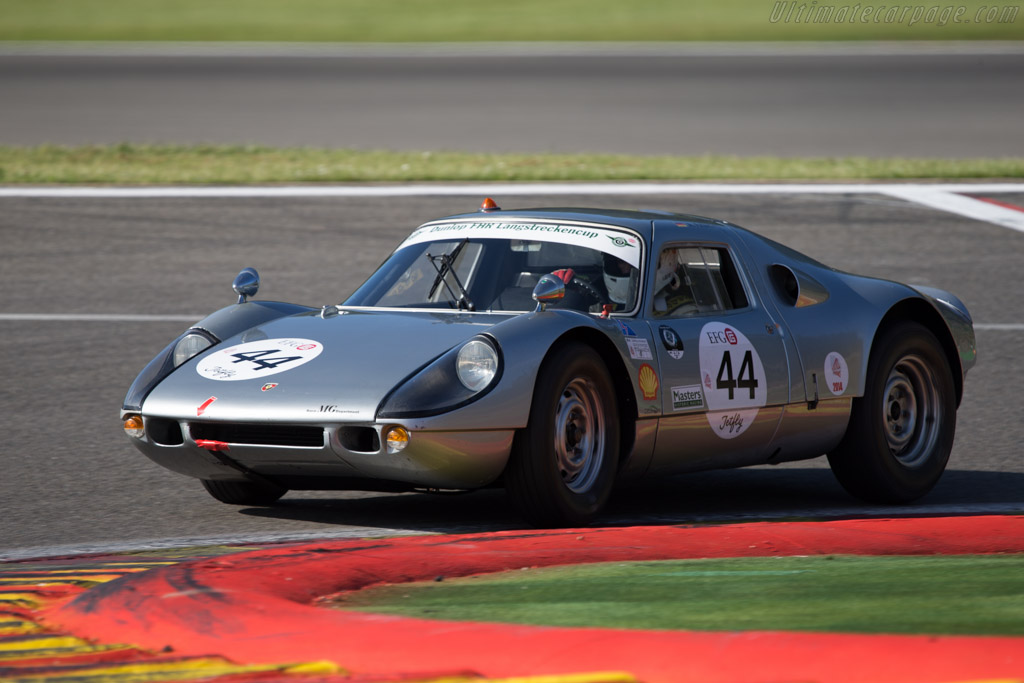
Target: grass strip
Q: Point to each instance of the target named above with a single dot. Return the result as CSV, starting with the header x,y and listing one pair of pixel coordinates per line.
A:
x,y
129,164
510,20
982,595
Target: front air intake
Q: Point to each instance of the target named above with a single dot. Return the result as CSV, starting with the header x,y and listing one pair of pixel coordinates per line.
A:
x,y
259,434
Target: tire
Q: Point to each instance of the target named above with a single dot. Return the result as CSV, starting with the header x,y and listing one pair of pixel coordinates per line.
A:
x,y
563,464
244,492
901,431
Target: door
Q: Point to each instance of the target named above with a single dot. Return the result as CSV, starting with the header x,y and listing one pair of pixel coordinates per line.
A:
x,y
723,361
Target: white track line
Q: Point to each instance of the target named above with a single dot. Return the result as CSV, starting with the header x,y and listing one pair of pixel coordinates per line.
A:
x,y
98,317
944,197
497,189
945,200
145,318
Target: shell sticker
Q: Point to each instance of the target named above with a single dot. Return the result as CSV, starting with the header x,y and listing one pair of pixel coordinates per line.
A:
x,y
837,373
735,386
258,359
648,382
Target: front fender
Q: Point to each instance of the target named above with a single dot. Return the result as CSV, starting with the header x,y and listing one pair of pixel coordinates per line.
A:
x,y
222,324
525,341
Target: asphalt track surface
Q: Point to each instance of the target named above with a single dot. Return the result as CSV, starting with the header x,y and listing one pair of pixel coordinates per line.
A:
x,y
816,104
71,481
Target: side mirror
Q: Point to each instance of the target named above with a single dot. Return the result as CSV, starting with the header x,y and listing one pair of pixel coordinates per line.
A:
x,y
549,288
246,284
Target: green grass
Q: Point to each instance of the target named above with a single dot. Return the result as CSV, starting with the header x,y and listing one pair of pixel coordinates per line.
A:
x,y
129,164
473,20
981,595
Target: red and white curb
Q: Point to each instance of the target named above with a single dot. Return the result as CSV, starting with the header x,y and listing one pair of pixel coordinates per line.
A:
x,y
261,608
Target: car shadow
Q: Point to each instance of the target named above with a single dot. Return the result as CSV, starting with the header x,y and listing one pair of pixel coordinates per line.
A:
x,y
722,495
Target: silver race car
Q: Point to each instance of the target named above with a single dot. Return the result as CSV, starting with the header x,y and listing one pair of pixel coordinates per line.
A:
x,y
554,351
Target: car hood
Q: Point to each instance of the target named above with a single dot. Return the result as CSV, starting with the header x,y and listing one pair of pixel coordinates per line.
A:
x,y
363,356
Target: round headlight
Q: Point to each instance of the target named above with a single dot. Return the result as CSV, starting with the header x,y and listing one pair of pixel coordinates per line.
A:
x,y
476,364
189,346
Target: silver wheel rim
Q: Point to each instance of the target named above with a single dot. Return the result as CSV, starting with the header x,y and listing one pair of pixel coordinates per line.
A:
x,y
579,435
911,411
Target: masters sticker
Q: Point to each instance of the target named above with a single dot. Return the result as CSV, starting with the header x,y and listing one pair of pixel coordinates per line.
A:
x,y
258,359
687,398
735,386
837,373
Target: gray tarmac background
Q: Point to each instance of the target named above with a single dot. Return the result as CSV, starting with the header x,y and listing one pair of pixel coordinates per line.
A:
x,y
921,105
68,476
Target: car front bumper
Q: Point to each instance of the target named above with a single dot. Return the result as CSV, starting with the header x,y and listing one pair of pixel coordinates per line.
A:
x,y
320,456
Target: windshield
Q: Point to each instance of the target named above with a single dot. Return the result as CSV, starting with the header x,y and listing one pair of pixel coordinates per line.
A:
x,y
461,266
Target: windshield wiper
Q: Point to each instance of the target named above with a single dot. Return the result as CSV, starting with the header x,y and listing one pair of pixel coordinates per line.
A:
x,y
448,267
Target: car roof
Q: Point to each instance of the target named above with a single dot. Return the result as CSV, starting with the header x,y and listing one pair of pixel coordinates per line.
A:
x,y
639,221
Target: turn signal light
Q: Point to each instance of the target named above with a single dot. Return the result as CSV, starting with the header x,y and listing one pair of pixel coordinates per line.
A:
x,y
397,438
133,426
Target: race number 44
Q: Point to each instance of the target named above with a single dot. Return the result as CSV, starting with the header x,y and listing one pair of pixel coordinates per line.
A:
x,y
735,387
258,359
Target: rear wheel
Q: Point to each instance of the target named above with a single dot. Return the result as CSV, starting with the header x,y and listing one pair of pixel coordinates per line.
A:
x,y
244,492
901,431
563,464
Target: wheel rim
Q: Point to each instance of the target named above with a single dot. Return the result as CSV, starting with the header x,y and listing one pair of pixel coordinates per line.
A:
x,y
911,410
579,435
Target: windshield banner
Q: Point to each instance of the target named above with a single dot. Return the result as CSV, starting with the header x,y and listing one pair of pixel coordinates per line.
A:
x,y
619,243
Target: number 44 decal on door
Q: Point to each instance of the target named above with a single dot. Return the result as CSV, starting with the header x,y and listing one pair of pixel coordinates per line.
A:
x,y
735,387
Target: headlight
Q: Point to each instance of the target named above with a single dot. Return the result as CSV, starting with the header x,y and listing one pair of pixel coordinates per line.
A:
x,y
457,377
476,364
190,346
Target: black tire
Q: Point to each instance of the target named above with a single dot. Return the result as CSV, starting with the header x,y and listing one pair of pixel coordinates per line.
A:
x,y
563,464
901,431
244,492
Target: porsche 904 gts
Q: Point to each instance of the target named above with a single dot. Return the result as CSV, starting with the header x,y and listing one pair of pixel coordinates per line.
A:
x,y
555,351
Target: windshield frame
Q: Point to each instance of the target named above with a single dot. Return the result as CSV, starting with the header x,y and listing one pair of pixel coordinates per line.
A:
x,y
622,242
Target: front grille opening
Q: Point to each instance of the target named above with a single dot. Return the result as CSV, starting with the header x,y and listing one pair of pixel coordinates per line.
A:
x,y
359,439
259,434
164,432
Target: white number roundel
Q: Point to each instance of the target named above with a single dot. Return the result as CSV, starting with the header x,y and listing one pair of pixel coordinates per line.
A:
x,y
733,377
258,359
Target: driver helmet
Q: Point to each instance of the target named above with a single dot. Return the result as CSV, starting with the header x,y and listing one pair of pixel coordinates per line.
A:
x,y
619,279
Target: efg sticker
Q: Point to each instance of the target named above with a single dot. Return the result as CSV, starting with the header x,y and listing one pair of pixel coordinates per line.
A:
x,y
258,359
648,380
639,349
687,398
671,340
837,372
735,386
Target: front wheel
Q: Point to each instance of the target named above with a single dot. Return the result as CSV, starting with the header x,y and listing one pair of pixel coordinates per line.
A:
x,y
244,492
563,464
901,431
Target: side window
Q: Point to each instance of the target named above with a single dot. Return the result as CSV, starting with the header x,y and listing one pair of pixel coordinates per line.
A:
x,y
691,280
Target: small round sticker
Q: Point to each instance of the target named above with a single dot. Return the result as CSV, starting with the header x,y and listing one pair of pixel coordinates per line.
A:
x,y
258,359
735,386
837,373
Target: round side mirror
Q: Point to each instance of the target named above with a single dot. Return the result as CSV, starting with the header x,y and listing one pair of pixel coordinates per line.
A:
x,y
246,284
549,288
